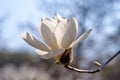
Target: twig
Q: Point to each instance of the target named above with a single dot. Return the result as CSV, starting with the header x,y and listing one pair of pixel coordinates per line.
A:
x,y
101,66
97,63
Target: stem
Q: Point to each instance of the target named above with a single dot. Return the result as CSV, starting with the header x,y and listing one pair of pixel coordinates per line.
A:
x,y
101,66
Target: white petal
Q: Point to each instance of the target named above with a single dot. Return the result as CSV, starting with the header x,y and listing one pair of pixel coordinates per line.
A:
x,y
70,33
82,37
49,22
60,31
58,17
48,36
33,41
48,55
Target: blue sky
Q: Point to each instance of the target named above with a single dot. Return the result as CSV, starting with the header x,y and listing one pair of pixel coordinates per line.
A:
x,y
18,11
23,11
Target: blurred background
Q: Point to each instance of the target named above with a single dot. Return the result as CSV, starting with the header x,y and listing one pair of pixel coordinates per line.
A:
x,y
18,61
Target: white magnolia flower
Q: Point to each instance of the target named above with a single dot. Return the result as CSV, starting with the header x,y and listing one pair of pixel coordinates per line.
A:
x,y
59,35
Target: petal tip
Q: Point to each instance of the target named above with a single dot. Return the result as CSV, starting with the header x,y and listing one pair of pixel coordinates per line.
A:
x,y
90,30
57,14
40,52
43,54
24,35
74,18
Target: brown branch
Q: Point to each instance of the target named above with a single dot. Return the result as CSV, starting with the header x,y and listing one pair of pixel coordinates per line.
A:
x,y
101,66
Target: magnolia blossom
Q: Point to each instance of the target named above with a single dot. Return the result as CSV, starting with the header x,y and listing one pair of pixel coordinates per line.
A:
x,y
59,36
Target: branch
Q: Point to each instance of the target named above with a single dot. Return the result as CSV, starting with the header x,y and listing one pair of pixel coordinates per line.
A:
x,y
101,66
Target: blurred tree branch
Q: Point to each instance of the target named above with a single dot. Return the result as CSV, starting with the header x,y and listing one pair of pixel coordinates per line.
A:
x,y
101,66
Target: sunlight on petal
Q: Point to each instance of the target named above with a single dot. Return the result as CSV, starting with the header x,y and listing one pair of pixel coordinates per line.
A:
x,y
48,36
70,33
33,41
51,54
81,38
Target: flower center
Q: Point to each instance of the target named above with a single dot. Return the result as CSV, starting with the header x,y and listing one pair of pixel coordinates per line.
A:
x,y
65,57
